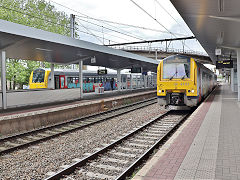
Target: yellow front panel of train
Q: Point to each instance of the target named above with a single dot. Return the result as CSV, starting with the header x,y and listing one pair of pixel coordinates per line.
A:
x,y
186,85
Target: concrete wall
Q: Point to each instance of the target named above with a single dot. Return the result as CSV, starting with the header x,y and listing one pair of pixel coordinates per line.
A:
x,y
35,119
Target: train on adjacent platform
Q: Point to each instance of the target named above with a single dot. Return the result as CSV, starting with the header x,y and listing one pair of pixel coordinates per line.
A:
x,y
66,79
182,81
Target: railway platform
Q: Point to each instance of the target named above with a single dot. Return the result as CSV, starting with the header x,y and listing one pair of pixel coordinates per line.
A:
x,y
206,146
36,98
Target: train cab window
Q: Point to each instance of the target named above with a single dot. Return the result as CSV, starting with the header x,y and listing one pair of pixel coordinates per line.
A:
x,y
38,76
176,67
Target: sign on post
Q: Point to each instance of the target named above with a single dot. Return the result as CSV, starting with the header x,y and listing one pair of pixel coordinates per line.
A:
x,y
102,71
224,64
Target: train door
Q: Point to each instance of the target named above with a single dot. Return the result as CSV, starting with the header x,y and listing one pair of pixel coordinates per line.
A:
x,y
62,81
56,80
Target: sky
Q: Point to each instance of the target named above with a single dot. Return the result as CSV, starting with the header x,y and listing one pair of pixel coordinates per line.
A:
x,y
126,12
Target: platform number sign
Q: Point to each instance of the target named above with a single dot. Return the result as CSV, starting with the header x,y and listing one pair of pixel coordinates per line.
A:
x,y
224,64
102,71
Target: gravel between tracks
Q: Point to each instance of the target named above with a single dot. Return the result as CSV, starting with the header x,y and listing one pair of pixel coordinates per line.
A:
x,y
36,161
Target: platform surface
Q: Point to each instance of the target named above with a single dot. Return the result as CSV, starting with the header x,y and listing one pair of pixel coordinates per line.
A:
x,y
206,146
16,99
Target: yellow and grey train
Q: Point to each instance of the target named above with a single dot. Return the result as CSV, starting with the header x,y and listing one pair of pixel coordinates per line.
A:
x,y
181,81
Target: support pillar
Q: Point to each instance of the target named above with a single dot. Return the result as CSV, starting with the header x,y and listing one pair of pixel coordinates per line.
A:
x,y
119,83
238,72
145,81
232,79
72,25
3,79
80,80
156,55
131,81
152,81
52,77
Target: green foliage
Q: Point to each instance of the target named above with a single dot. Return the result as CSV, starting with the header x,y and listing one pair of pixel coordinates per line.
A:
x,y
35,13
38,14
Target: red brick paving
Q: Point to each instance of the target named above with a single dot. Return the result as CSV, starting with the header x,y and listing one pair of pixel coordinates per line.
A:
x,y
169,163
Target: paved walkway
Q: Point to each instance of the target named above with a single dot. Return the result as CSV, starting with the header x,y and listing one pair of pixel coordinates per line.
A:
x,y
206,146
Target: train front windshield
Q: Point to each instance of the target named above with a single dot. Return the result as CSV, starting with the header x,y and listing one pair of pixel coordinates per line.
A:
x,y
38,76
176,68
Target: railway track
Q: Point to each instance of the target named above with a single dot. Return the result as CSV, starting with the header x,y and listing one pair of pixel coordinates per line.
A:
x,y
119,159
11,143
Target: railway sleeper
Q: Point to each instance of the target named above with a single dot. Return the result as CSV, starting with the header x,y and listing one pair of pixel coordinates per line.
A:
x,y
95,175
120,154
128,149
12,144
104,166
114,160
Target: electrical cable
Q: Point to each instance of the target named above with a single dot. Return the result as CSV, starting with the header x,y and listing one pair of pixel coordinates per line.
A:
x,y
108,34
91,33
95,35
130,25
110,29
151,16
171,16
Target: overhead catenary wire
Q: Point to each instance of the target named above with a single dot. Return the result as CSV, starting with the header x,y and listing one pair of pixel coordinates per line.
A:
x,y
86,16
170,15
98,31
88,33
130,25
102,21
155,20
111,29
151,16
91,33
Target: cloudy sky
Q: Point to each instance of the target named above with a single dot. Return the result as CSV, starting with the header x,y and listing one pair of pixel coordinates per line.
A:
x,y
129,22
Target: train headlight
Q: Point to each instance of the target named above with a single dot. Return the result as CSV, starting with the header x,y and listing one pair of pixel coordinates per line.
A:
x,y
193,91
159,91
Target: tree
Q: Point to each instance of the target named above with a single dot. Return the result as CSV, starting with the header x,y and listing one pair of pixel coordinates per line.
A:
x,y
34,13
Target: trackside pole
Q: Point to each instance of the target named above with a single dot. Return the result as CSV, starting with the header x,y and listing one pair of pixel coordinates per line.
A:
x,y
52,77
3,79
119,84
81,79
238,72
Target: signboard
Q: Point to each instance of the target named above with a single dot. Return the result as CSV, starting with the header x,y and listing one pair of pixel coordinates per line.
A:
x,y
102,71
218,52
136,70
224,64
93,60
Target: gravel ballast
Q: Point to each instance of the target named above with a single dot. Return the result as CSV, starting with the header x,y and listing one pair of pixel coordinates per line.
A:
x,y
36,161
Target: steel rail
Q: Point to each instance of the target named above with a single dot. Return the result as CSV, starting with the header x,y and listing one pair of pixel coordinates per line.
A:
x,y
109,114
129,170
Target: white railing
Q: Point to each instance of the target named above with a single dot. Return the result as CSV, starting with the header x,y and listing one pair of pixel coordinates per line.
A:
x,y
159,49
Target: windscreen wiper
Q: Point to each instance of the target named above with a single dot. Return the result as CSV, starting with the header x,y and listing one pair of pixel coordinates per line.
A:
x,y
173,75
183,77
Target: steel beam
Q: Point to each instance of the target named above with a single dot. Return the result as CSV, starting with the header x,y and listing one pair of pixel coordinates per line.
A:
x,y
119,81
238,72
52,77
81,78
3,79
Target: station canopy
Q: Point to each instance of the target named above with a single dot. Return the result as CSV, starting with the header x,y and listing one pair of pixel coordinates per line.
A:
x,y
23,42
215,23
